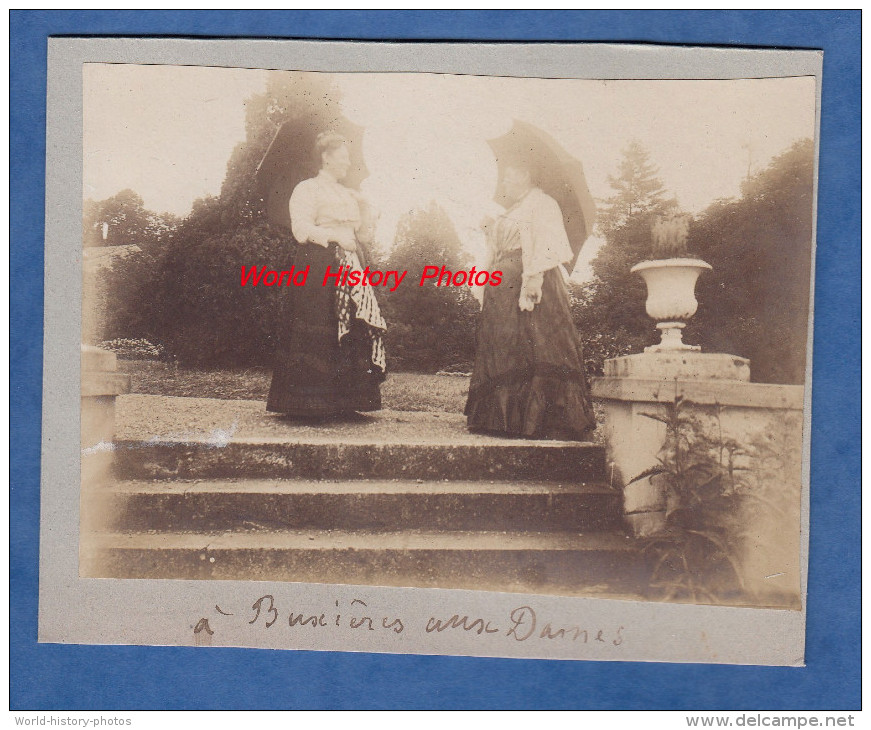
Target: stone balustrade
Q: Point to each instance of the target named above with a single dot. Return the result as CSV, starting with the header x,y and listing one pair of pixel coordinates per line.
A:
x,y
761,426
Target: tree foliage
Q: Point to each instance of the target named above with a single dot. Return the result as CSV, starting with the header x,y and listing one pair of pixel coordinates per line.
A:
x,y
755,301
185,293
637,191
609,310
312,98
429,327
125,221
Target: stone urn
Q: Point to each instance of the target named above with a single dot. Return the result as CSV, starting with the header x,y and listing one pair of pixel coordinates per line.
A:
x,y
671,297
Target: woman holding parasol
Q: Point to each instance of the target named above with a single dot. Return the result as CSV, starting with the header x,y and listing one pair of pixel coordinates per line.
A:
x,y
330,358
528,378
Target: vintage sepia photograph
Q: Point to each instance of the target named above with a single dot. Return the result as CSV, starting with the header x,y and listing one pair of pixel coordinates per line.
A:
x,y
526,335
372,360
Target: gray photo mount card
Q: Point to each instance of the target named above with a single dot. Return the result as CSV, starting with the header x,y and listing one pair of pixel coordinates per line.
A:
x,y
471,349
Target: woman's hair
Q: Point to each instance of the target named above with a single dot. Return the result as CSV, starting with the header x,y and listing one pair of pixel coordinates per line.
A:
x,y
327,142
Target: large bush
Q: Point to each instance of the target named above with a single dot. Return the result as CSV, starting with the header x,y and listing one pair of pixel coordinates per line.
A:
x,y
184,290
430,327
755,302
186,293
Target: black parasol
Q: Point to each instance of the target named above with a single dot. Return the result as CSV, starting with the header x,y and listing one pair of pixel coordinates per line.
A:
x,y
556,172
291,158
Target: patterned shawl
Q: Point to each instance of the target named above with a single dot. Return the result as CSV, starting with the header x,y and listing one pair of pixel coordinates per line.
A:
x,y
365,307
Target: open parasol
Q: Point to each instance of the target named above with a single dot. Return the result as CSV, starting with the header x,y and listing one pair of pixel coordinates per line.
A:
x,y
556,172
291,158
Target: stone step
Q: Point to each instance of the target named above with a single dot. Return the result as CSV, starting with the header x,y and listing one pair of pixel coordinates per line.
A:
x,y
571,563
355,505
317,458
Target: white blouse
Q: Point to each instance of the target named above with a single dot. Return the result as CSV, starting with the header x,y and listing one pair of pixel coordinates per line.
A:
x,y
543,240
320,205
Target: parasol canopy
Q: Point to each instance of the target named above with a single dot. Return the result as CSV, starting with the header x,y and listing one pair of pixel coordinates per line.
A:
x,y
556,172
291,158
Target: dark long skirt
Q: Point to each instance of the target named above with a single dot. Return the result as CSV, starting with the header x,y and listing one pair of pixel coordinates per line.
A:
x,y
529,376
313,374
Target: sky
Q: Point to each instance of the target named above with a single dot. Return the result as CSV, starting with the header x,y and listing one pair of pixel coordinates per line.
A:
x,y
168,131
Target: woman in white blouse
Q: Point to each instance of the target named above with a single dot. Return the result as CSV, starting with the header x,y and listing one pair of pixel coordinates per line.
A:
x,y
330,355
528,378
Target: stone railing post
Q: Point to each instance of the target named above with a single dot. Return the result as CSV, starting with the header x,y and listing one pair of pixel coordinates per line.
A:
x,y
101,384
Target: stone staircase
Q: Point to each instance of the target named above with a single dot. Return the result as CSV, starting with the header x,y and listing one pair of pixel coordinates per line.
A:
x,y
397,499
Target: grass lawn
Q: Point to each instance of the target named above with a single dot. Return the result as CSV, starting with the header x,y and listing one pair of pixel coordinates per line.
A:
x,y
401,391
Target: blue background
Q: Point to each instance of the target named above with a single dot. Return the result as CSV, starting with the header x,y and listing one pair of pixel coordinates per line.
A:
x,y
49,676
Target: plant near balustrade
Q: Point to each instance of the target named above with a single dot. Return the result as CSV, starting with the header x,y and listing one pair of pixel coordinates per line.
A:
x,y
707,481
669,235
